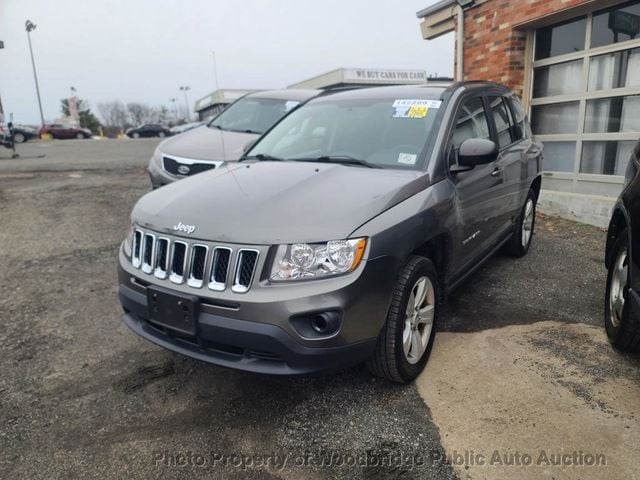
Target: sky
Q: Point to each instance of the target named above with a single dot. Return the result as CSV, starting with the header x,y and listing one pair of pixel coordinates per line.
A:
x,y
144,50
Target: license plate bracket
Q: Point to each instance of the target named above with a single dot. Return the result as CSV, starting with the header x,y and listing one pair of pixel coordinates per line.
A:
x,y
175,311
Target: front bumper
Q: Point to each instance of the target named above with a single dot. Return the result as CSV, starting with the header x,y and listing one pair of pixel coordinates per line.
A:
x,y
255,332
158,176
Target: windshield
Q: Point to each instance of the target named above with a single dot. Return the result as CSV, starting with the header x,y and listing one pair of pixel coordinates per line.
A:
x,y
252,115
387,133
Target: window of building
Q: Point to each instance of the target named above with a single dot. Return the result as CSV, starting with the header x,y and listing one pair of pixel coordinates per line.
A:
x,y
585,95
562,38
617,24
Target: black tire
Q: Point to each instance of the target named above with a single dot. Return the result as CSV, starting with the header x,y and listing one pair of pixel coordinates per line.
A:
x,y
135,135
519,245
389,360
80,136
19,138
162,134
623,329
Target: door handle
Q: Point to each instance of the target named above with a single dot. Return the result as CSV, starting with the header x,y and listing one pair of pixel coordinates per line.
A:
x,y
497,172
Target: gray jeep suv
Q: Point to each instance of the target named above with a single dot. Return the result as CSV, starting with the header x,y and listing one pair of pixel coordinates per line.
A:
x,y
335,239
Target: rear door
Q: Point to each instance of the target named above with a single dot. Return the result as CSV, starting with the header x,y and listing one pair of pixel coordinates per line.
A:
x,y
511,162
475,190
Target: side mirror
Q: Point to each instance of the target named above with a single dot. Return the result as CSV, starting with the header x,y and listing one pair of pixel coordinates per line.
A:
x,y
249,145
476,151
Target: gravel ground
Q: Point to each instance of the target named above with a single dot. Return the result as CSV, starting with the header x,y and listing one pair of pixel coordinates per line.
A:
x,y
83,397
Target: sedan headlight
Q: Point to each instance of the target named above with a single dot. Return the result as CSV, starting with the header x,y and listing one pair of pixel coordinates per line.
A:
x,y
317,260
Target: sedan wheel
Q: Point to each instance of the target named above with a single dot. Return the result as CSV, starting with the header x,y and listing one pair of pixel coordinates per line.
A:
x,y
19,138
621,321
161,134
79,136
618,287
136,135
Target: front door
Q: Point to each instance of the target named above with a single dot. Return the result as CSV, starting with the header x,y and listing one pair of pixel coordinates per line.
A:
x,y
475,190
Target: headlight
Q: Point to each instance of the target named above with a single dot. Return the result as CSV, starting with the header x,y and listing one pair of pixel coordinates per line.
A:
x,y
128,242
157,156
318,260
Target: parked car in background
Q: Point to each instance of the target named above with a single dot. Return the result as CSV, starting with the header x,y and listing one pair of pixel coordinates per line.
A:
x,y
23,134
64,131
622,299
185,127
225,137
335,238
148,130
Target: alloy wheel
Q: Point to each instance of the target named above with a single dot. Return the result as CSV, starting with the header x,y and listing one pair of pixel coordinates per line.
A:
x,y
618,287
419,320
527,223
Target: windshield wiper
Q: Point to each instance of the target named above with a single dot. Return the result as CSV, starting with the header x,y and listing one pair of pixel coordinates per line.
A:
x,y
263,157
211,125
343,159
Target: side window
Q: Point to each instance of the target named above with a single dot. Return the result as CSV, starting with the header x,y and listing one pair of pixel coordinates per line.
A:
x,y
518,117
502,119
471,122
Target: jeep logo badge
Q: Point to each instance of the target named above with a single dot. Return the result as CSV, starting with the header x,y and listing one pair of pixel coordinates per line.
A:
x,y
181,227
183,170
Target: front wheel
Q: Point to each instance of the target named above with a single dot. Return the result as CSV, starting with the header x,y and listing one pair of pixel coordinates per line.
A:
x,y
520,242
623,329
136,135
19,138
80,136
161,134
406,339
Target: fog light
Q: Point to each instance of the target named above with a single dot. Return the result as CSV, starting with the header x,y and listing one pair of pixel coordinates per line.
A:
x,y
316,325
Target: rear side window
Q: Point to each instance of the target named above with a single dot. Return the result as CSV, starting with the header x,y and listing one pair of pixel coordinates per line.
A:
x,y
503,121
471,122
519,118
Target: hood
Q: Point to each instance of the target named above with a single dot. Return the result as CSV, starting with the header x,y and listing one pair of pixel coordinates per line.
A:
x,y
267,203
204,143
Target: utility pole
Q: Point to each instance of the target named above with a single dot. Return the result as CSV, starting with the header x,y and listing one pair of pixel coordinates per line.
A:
x,y
30,27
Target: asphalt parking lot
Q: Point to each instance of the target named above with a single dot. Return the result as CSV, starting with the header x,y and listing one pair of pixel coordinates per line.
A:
x,y
521,366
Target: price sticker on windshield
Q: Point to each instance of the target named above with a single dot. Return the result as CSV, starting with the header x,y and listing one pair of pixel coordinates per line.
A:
x,y
414,108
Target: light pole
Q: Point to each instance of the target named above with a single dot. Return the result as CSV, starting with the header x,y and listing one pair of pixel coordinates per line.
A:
x,y
174,108
185,89
30,27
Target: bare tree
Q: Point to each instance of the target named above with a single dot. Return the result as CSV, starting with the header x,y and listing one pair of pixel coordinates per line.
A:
x,y
114,113
138,112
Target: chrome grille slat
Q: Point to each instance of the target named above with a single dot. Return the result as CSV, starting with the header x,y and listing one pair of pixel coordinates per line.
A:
x,y
220,261
148,250
184,262
136,258
244,270
162,258
179,255
197,265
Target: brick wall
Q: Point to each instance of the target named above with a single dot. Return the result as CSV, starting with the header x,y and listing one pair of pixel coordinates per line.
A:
x,y
493,50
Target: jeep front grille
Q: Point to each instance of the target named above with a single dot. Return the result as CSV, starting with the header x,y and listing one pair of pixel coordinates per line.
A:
x,y
245,267
197,265
137,249
181,262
